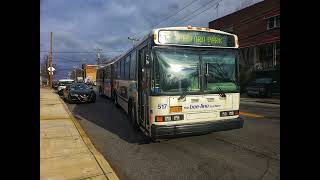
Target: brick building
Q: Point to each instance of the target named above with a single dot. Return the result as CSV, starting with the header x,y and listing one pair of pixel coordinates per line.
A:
x,y
258,29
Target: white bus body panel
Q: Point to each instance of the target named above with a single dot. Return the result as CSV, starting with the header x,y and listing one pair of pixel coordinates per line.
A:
x,y
195,108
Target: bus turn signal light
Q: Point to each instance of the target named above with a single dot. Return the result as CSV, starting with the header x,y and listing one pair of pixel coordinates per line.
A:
x,y
159,118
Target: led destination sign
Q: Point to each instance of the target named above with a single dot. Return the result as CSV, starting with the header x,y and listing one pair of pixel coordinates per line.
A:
x,y
197,38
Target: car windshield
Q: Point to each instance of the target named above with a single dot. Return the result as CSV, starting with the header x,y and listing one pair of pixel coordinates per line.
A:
x,y
79,87
64,83
263,80
178,70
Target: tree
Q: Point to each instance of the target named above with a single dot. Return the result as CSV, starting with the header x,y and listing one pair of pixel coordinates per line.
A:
x,y
78,72
43,67
103,59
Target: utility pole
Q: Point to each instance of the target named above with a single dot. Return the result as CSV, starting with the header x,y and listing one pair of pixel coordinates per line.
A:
x,y
217,7
98,54
75,73
50,62
133,40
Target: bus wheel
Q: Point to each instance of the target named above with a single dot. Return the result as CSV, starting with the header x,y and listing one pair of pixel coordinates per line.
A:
x,y
133,117
116,100
100,92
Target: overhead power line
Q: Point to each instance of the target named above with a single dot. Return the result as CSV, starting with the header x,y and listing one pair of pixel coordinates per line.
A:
x,y
165,19
190,15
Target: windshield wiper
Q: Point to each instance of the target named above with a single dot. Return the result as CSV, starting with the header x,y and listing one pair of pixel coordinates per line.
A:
x,y
183,94
221,93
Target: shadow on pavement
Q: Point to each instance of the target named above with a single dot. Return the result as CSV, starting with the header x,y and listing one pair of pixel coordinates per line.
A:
x,y
106,115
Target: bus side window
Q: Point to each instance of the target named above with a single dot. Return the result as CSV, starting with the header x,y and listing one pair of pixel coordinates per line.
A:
x,y
122,62
127,67
119,70
133,66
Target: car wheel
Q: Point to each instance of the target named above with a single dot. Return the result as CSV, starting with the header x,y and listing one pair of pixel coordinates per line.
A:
x,y
132,116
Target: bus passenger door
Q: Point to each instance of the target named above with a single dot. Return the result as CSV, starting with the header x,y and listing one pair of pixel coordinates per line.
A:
x,y
143,86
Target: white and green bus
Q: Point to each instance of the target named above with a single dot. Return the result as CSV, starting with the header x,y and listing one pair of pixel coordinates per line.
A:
x,y
179,81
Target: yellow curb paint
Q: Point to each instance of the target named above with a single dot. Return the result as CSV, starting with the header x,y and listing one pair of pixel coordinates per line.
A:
x,y
105,166
250,114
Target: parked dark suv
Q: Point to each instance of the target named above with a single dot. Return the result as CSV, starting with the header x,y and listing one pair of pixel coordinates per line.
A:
x,y
264,87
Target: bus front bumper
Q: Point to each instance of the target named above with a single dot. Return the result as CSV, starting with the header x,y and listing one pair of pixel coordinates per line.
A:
x,y
164,131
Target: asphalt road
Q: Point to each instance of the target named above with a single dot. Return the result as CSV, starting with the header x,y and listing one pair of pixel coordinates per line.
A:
x,y
252,152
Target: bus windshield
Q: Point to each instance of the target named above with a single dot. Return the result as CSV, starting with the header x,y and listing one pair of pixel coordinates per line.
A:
x,y
219,70
176,70
179,70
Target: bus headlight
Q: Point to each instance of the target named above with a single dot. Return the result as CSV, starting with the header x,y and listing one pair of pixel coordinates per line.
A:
x,y
229,113
223,113
177,117
168,118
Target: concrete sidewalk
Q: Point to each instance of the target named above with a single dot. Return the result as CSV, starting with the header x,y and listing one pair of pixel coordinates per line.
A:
x,y
66,152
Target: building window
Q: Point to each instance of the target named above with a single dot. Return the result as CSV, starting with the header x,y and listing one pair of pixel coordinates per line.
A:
x,y
273,22
266,56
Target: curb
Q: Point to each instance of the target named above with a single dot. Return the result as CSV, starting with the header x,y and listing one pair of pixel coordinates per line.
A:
x,y
102,162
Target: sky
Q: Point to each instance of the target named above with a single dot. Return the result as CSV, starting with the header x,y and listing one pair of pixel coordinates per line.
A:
x,y
80,26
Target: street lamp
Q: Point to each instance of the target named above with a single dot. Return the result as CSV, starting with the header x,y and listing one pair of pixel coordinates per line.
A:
x,y
133,40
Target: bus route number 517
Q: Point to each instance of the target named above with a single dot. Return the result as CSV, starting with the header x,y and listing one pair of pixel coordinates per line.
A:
x,y
162,106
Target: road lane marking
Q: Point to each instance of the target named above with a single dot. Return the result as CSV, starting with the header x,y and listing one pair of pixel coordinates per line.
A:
x,y
250,114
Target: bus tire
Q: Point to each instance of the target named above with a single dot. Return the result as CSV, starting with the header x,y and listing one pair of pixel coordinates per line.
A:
x,y
100,91
133,116
116,100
